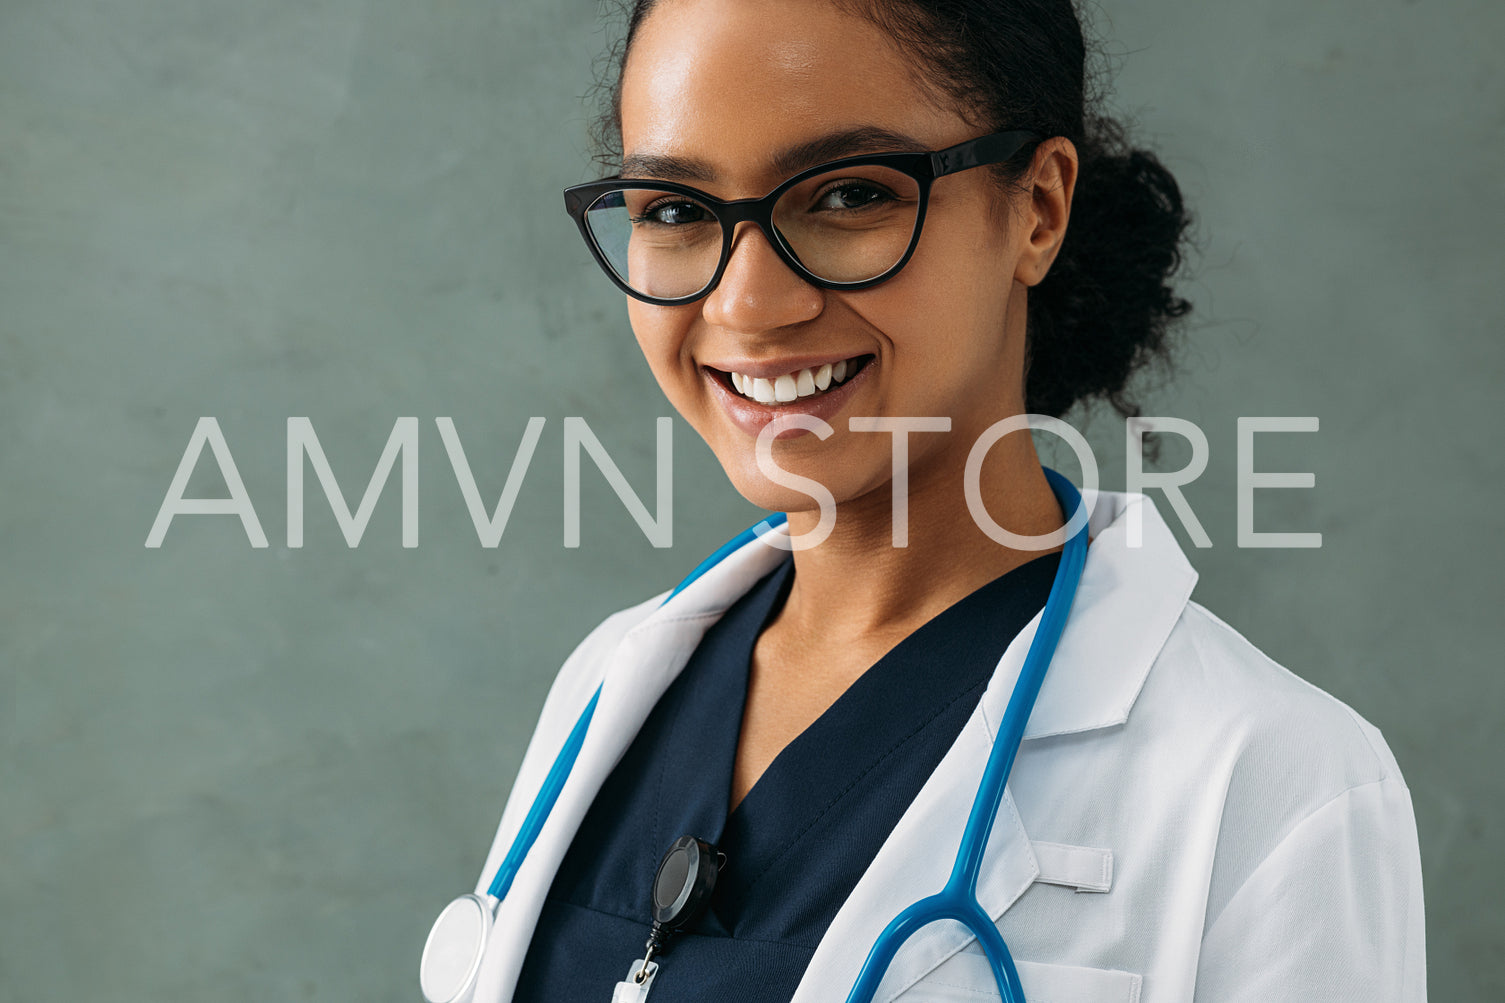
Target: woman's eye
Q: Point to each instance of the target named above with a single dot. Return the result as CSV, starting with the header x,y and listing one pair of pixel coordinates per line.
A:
x,y
851,195
672,214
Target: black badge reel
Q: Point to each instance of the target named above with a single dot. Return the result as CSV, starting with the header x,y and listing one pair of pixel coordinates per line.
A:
x,y
682,889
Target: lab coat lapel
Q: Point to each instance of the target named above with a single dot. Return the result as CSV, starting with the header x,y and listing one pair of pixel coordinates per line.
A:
x,y
1128,600
643,665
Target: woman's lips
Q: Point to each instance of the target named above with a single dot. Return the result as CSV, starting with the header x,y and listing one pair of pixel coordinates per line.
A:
x,y
751,416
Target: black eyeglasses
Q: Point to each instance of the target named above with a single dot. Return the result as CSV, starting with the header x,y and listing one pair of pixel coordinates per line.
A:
x,y
849,224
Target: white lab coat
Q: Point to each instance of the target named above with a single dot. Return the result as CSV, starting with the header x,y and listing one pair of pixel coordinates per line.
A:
x,y
1186,819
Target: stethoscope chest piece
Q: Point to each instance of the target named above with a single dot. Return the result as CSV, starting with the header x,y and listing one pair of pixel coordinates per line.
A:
x,y
452,955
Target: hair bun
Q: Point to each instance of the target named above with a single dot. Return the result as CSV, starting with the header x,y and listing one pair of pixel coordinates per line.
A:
x,y
1105,308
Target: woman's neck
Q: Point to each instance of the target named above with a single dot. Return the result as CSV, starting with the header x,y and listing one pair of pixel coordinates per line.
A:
x,y
856,584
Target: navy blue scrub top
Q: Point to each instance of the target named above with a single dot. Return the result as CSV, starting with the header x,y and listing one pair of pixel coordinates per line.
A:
x,y
799,840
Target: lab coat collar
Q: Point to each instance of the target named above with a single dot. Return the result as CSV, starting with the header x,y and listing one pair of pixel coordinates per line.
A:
x,y
1134,586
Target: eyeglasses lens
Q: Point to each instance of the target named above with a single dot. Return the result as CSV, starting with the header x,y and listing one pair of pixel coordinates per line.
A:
x,y
847,225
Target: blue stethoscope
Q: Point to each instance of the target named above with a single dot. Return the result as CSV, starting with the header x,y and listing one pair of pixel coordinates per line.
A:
x,y
452,955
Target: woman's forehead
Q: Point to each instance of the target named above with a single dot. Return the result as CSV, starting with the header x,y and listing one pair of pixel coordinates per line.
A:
x,y
785,82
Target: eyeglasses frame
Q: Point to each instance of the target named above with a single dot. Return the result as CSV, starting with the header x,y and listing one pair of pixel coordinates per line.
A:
x,y
924,167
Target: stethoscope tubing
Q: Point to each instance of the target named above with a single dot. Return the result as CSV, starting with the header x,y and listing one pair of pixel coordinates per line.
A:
x,y
958,899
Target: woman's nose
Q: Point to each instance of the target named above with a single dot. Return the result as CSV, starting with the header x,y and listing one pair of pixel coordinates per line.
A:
x,y
758,291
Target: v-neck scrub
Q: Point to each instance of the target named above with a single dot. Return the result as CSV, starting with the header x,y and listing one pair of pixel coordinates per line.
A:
x,y
804,834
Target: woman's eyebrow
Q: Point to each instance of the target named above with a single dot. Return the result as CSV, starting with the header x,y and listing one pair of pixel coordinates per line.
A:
x,y
847,143
664,167
786,162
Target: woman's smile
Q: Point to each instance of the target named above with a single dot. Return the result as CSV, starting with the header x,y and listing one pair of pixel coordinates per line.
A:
x,y
753,393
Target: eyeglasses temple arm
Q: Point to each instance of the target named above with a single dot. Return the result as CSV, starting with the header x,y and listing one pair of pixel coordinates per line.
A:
x,y
994,149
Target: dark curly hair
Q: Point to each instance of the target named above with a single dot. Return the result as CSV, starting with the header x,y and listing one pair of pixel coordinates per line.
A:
x,y
1105,309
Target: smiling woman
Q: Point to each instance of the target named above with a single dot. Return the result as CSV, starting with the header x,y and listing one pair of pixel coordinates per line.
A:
x,y
845,217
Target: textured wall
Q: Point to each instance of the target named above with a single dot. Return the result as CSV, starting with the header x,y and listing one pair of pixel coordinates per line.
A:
x,y
242,774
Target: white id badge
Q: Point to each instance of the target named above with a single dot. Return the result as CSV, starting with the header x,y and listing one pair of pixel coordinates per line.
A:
x,y
631,990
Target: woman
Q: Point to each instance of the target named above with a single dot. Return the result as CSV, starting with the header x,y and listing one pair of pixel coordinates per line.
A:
x,y
1184,818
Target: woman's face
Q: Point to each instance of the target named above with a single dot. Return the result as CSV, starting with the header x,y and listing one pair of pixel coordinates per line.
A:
x,y
723,87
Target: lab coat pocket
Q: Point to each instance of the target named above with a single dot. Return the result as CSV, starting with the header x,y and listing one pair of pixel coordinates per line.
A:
x,y
966,977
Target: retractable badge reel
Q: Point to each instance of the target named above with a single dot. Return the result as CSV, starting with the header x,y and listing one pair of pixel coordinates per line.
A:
x,y
682,890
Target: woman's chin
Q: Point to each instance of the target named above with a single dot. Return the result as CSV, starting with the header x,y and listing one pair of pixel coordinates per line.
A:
x,y
806,486
792,496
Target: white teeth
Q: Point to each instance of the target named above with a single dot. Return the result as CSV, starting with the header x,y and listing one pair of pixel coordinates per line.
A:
x,y
790,386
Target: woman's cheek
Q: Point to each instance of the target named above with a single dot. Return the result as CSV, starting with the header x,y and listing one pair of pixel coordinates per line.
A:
x,y
661,347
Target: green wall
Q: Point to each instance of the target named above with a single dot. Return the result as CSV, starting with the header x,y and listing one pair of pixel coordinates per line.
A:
x,y
241,774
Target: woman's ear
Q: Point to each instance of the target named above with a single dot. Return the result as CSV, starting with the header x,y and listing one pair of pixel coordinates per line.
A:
x,y
1049,184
